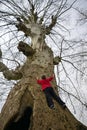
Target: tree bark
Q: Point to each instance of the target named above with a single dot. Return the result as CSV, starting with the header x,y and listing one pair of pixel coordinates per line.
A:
x,y
28,94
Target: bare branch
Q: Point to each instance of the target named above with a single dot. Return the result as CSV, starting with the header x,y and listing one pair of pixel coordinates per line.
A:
x,y
73,96
69,79
67,8
73,66
53,22
10,74
0,53
22,27
26,49
56,60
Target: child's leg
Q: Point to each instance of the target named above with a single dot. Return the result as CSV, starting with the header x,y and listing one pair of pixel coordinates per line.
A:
x,y
56,97
48,98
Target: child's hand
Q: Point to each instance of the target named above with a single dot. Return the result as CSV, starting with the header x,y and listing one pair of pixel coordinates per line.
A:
x,y
53,75
37,78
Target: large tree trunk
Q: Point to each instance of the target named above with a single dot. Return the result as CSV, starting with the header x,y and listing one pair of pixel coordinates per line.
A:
x,y
26,101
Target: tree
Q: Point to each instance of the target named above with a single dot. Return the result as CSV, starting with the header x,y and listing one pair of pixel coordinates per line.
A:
x,y
37,20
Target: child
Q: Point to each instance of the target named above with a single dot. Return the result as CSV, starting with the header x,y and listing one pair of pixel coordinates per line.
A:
x,y
49,92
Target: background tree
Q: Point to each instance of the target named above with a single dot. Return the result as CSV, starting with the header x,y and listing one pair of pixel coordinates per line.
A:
x,y
30,24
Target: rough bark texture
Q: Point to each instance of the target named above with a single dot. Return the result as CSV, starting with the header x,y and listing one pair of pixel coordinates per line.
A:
x,y
27,93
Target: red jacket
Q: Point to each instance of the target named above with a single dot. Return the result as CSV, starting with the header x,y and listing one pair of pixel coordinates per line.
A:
x,y
45,83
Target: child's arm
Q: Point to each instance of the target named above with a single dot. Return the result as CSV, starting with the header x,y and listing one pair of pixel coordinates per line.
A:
x,y
38,80
51,78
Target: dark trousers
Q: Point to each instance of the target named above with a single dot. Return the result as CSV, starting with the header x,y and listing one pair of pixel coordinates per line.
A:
x,y
49,93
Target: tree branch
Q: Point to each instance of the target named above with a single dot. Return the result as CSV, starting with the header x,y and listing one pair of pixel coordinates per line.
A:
x,y
78,99
25,48
52,24
22,27
0,53
10,74
56,60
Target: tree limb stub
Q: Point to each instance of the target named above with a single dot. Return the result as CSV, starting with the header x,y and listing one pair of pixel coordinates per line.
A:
x,y
52,24
3,67
26,49
9,74
56,60
22,27
12,75
0,53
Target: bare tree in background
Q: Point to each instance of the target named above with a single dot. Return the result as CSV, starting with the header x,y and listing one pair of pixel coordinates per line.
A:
x,y
31,27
